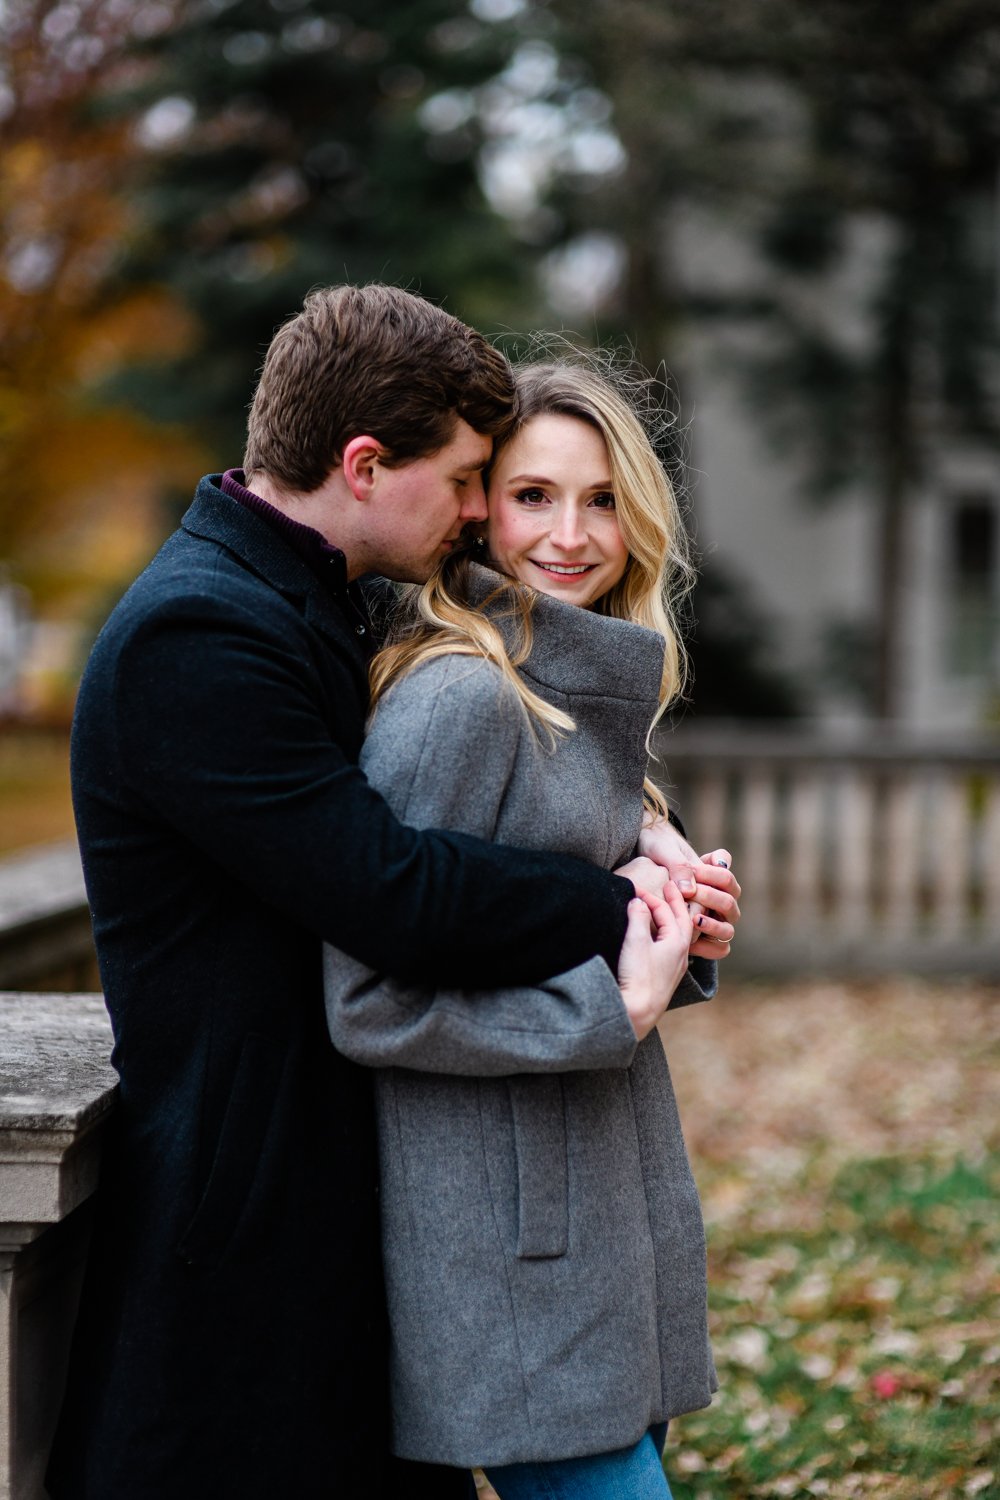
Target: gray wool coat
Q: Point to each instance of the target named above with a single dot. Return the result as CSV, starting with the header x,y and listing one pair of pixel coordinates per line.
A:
x,y
543,1241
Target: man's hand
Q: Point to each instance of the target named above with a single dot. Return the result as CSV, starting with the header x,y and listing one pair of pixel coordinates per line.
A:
x,y
707,883
649,876
654,956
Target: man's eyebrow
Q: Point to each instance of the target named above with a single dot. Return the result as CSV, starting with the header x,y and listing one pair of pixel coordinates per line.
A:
x,y
474,466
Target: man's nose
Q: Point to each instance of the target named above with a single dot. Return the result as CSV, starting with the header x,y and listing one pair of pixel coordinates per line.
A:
x,y
474,500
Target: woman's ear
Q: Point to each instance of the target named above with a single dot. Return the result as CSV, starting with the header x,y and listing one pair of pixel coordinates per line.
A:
x,y
360,462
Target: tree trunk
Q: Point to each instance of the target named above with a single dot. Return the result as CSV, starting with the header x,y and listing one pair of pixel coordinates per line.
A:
x,y
895,439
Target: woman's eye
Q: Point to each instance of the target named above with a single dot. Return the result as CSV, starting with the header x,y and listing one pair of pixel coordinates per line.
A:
x,y
531,497
604,501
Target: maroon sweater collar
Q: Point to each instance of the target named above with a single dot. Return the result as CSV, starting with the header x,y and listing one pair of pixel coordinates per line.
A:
x,y
326,560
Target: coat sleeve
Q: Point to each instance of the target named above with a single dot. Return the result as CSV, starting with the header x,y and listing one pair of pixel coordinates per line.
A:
x,y
222,738
700,982
441,750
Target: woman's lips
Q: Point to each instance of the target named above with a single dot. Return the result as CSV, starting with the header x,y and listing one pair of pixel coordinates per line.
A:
x,y
564,570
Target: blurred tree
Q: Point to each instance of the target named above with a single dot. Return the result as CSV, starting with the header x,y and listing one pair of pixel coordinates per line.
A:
x,y
904,131
734,671
797,124
693,126
74,485
293,143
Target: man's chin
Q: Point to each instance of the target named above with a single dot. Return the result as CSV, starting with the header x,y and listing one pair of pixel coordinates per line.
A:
x,y
409,572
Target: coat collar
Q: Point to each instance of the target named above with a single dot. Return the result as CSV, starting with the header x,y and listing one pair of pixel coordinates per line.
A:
x,y
575,651
217,517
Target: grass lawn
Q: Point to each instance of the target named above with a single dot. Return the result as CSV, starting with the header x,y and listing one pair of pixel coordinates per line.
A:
x,y
845,1141
35,803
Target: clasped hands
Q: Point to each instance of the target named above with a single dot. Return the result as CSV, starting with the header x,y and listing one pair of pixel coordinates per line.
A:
x,y
706,882
685,907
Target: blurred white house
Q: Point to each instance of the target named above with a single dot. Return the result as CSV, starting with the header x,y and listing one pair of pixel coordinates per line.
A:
x,y
813,568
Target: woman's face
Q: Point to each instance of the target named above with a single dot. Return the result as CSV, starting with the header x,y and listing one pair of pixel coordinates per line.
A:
x,y
552,520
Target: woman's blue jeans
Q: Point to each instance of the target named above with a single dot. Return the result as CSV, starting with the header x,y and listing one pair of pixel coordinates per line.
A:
x,y
627,1474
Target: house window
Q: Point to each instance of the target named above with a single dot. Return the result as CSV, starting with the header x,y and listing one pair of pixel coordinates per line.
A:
x,y
975,615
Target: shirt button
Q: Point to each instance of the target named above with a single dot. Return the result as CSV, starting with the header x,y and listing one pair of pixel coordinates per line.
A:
x,y
359,630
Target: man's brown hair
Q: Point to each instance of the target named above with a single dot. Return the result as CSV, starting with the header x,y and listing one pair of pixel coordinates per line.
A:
x,y
369,359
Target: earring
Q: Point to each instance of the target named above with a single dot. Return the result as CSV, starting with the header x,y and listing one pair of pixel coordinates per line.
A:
x,y
479,542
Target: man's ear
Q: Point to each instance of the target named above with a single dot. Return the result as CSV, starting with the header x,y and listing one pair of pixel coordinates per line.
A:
x,y
360,462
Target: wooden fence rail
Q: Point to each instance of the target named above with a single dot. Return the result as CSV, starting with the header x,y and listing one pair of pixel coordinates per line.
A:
x,y
853,857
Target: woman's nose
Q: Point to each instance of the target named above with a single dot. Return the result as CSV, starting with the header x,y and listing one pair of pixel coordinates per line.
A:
x,y
567,527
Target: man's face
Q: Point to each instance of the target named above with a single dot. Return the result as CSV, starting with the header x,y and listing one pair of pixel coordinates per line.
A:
x,y
419,507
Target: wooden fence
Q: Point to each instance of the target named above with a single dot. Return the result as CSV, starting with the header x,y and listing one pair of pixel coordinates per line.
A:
x,y
854,856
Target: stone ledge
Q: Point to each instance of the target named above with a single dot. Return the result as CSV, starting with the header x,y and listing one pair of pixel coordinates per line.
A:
x,y
57,1086
40,883
57,1090
45,936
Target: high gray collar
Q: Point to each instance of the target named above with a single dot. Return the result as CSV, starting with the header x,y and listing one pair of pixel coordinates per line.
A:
x,y
575,651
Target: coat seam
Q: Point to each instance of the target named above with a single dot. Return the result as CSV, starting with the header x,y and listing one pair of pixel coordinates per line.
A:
x,y
525,1394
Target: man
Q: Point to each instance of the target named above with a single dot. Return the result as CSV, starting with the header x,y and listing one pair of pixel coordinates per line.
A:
x,y
231,1339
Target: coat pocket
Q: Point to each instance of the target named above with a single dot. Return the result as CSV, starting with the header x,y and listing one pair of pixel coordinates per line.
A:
x,y
539,1114
234,1166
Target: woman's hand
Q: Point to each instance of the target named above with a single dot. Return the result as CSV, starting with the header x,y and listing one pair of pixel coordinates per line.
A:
x,y
654,956
715,908
708,882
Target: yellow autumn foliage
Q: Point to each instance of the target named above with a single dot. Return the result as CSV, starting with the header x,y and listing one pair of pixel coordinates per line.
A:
x,y
79,479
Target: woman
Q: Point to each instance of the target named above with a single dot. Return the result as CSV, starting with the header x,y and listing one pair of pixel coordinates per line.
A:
x,y
544,1250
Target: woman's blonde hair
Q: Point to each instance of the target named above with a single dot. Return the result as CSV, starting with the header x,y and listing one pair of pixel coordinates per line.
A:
x,y
437,619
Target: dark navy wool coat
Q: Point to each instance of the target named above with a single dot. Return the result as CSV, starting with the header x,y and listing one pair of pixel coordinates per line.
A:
x,y
231,1339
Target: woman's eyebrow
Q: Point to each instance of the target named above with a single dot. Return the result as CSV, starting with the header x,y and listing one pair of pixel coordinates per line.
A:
x,y
600,484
